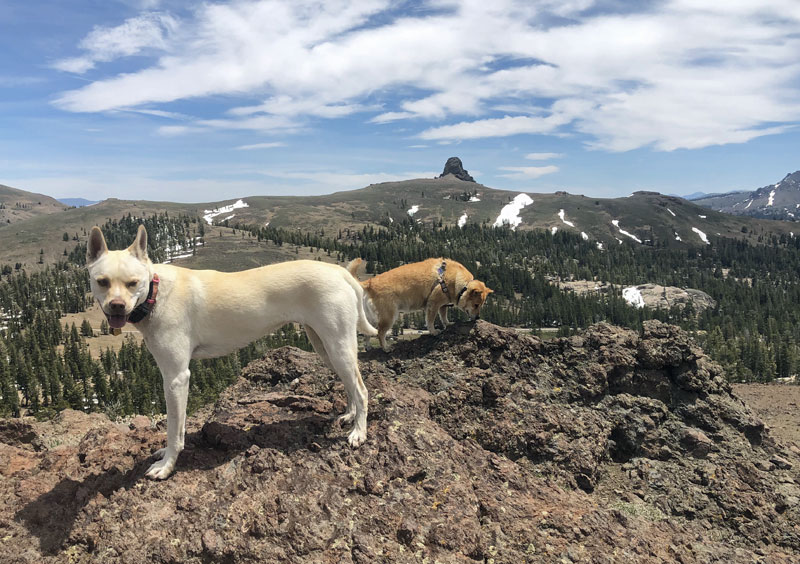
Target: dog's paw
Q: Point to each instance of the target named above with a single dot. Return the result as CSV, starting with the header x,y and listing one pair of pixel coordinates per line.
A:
x,y
162,469
346,417
357,437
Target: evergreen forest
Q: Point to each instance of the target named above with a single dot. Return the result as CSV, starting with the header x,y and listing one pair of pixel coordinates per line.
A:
x,y
753,330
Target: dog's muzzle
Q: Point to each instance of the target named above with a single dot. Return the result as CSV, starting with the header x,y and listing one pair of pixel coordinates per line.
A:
x,y
115,313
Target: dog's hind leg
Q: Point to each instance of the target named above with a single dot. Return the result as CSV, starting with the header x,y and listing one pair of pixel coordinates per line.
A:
x,y
175,376
385,322
318,346
345,363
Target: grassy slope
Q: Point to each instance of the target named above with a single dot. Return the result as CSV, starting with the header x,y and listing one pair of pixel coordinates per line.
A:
x,y
19,205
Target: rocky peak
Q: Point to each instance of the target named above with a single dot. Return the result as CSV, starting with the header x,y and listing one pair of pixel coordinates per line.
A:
x,y
453,166
484,444
792,178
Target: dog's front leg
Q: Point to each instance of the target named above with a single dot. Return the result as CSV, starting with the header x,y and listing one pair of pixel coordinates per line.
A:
x,y
443,316
430,316
175,376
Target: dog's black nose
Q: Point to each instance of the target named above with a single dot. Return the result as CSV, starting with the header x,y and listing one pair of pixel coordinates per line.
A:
x,y
116,307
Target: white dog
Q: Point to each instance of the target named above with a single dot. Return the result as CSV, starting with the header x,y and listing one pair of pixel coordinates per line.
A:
x,y
185,314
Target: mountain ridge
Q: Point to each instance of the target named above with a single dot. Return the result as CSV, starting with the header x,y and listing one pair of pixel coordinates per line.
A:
x,y
644,218
780,200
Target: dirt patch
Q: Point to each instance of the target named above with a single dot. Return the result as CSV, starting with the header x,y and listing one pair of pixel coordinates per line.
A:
x,y
778,405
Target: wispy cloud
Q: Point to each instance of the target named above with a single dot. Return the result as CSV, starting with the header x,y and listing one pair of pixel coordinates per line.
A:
x,y
528,172
543,156
103,44
678,74
255,146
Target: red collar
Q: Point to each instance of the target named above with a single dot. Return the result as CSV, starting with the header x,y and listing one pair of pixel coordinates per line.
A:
x,y
143,309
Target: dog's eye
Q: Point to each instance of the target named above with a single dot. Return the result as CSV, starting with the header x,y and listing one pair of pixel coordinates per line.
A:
x,y
132,283
102,282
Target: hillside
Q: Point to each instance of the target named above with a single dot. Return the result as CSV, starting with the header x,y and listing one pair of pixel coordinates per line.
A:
x,y
774,201
18,205
609,446
641,219
644,217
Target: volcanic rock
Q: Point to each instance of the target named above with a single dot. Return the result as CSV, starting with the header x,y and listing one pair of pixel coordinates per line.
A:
x,y
453,166
484,444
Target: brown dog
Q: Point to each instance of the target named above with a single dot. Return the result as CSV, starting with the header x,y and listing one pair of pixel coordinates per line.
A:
x,y
432,285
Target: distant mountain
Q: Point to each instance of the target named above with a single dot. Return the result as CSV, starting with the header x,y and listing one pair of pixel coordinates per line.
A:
x,y
775,201
77,202
644,218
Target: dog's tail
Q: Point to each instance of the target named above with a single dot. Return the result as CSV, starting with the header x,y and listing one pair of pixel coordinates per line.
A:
x,y
352,267
364,326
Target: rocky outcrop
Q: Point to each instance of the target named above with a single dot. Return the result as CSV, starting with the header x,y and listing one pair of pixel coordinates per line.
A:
x,y
653,295
485,445
453,166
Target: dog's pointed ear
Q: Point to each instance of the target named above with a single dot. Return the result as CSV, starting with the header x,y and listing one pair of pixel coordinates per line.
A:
x,y
96,247
139,246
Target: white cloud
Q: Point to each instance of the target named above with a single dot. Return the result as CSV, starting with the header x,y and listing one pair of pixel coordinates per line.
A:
x,y
500,127
679,74
543,156
271,145
176,130
528,172
387,117
161,113
103,44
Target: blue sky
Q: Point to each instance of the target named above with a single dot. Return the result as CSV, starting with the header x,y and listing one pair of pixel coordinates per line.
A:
x,y
163,100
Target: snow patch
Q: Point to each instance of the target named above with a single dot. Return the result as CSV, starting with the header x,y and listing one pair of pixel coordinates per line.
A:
x,y
510,212
585,236
615,222
474,199
672,212
413,210
633,296
209,215
701,235
749,203
561,215
600,245
701,216
462,221
553,230
678,237
771,197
